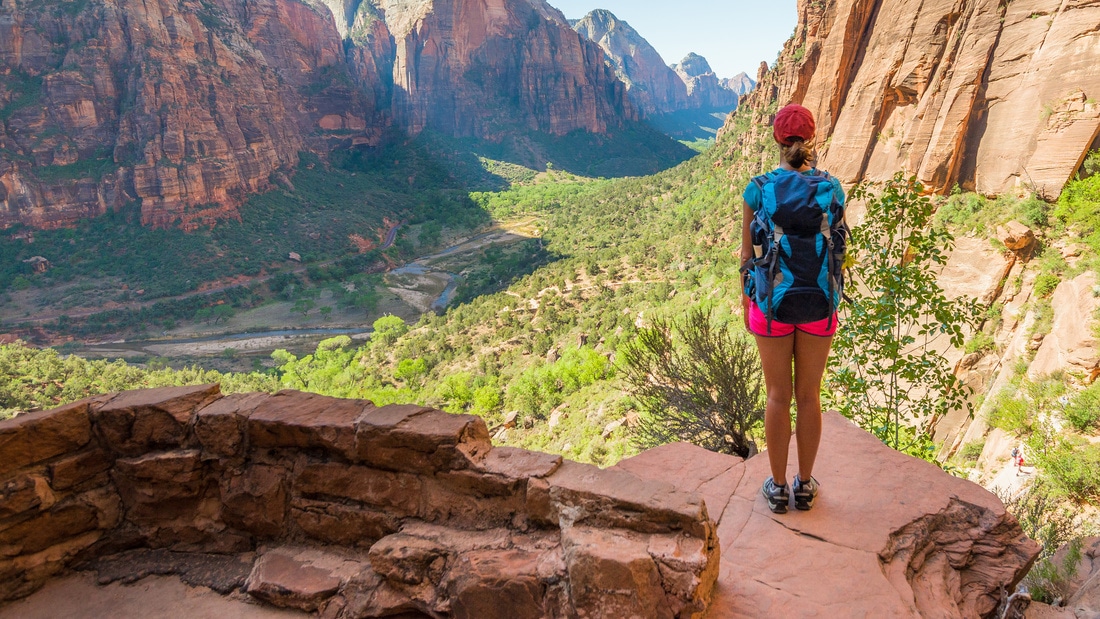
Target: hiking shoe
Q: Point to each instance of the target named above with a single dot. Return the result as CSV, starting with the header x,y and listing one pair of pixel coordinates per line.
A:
x,y
777,496
804,493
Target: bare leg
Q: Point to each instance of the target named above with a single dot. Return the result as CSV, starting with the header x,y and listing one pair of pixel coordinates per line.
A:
x,y
776,354
810,355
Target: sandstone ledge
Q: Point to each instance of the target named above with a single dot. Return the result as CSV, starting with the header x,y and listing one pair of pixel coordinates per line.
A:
x,y
342,508
889,535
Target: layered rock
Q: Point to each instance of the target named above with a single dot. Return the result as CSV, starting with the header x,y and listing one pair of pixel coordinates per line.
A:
x,y
485,68
992,96
1070,345
653,86
339,507
185,109
889,535
741,83
352,509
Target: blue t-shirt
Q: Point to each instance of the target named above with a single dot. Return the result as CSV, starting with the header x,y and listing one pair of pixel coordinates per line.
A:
x,y
755,200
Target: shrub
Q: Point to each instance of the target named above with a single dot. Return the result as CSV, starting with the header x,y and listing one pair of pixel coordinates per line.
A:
x,y
1053,522
387,329
1083,411
981,342
1070,468
1048,581
697,382
972,450
1045,284
1011,414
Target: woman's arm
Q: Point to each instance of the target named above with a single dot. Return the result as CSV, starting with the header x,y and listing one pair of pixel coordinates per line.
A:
x,y
746,236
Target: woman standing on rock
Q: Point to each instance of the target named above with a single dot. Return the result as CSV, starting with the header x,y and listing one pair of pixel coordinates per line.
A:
x,y
792,250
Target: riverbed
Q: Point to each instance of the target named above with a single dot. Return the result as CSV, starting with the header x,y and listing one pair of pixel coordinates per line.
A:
x,y
426,284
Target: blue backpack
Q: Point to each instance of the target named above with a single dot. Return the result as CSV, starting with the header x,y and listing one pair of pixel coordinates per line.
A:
x,y
799,239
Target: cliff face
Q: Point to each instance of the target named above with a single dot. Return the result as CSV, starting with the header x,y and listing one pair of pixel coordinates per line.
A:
x,y
481,68
996,97
652,85
187,108
183,108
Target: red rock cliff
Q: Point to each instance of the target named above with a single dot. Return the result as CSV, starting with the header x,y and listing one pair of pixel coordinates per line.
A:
x,y
484,67
995,96
189,107
184,107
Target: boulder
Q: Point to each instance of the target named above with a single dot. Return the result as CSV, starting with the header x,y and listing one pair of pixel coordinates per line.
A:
x,y
133,422
34,437
1017,237
298,578
1070,345
418,439
298,419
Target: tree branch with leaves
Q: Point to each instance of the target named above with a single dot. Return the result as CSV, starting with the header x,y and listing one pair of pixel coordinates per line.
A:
x,y
888,372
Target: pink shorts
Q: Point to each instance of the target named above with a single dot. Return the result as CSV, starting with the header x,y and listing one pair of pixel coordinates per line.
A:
x,y
758,324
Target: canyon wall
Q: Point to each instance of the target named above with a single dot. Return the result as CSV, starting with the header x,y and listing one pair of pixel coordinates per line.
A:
x,y
652,85
183,108
704,87
486,69
992,96
187,108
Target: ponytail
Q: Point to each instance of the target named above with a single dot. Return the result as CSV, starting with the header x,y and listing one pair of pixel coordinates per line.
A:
x,y
798,153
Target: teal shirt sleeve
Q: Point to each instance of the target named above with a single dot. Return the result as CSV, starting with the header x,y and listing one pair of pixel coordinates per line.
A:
x,y
753,197
838,191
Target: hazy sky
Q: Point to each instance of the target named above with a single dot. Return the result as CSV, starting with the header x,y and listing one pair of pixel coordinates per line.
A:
x,y
734,35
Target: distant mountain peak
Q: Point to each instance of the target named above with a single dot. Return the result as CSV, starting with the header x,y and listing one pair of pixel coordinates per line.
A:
x,y
694,65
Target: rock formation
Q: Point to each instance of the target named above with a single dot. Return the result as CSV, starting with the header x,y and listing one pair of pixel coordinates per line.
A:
x,y
889,535
703,85
483,68
354,510
741,83
993,96
1083,590
335,506
186,110
652,85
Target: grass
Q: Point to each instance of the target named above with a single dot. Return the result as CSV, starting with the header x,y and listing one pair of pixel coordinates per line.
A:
x,y
26,91
94,168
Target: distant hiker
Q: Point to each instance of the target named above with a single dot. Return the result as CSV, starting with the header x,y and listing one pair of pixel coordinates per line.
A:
x,y
793,240
1018,459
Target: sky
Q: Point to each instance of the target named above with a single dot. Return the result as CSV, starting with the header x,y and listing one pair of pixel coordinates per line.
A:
x,y
734,35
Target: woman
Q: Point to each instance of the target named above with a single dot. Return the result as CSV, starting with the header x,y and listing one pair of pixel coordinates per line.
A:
x,y
794,337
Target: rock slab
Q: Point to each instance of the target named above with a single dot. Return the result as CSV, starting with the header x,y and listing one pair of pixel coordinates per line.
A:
x,y
889,535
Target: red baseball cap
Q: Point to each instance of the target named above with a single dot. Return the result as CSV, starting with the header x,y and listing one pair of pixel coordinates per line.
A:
x,y
793,121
